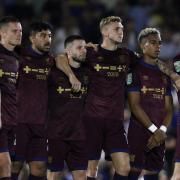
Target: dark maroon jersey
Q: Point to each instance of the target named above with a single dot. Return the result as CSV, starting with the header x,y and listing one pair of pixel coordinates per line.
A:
x,y
66,106
176,64
8,78
107,88
33,87
153,86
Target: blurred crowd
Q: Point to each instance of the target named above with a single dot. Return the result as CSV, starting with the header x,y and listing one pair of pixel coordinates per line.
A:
x,y
83,16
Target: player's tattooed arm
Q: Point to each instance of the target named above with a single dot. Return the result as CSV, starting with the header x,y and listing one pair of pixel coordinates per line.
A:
x,y
168,70
63,65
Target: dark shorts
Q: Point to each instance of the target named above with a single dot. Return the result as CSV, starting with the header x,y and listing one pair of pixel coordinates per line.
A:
x,y
104,134
140,157
177,154
31,143
7,138
74,153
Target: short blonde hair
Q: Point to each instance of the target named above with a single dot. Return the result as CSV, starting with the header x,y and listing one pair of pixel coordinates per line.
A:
x,y
146,32
107,20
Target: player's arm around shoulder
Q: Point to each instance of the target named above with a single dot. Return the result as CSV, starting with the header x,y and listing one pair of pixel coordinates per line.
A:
x,y
62,64
175,76
171,71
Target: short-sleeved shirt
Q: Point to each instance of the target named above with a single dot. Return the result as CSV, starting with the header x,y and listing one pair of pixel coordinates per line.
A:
x,y
65,106
108,76
153,86
33,86
8,80
176,65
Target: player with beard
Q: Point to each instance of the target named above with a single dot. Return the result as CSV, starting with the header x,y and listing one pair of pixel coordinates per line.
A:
x,y
105,101
31,141
66,134
104,108
10,37
149,94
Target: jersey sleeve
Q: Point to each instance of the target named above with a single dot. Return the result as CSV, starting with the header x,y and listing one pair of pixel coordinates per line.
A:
x,y
134,60
133,82
176,64
168,88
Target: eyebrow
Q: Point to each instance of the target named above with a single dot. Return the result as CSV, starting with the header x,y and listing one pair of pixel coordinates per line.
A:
x,y
43,33
152,40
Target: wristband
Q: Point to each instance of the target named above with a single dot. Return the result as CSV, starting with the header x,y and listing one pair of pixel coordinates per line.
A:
x,y
163,128
152,128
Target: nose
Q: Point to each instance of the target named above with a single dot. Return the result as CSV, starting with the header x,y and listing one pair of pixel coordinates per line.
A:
x,y
83,50
158,47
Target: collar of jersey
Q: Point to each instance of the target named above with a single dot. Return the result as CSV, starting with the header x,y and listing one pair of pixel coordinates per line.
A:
x,y
6,51
142,62
34,53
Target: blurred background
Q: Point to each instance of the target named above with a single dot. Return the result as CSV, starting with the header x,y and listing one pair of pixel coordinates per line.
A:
x,y
83,16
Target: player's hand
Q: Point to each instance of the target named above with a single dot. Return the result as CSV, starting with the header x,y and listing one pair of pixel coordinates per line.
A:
x,y
177,84
176,79
175,177
94,46
76,84
156,139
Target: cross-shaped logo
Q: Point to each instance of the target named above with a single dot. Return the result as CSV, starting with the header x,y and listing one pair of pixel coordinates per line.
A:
x,y
1,72
144,89
27,69
60,89
97,67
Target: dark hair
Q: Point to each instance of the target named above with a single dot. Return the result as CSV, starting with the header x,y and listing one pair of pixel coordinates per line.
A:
x,y
146,32
39,26
71,38
8,19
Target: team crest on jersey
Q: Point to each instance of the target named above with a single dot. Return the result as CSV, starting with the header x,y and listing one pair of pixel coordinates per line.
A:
x,y
145,77
123,58
28,57
177,66
100,58
129,79
1,60
59,79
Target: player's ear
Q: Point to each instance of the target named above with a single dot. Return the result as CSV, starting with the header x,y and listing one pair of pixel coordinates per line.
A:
x,y
141,45
31,39
68,51
104,31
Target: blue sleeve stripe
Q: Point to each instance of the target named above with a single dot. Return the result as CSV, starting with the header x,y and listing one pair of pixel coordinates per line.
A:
x,y
131,89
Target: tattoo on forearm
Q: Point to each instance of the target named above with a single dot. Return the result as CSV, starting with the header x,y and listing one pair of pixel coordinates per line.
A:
x,y
164,67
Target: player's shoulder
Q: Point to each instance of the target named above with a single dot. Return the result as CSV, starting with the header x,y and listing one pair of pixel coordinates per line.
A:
x,y
177,57
50,59
125,50
55,72
176,63
92,49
